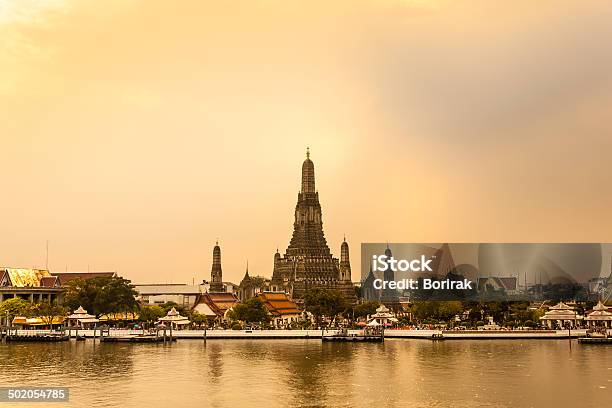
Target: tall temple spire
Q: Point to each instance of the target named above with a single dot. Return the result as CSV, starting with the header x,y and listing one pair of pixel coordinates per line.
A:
x,y
345,262
344,251
216,273
308,176
308,237
308,262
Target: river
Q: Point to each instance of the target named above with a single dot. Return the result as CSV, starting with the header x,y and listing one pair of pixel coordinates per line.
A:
x,y
309,373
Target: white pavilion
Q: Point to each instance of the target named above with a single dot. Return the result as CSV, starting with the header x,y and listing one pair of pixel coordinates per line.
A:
x,y
174,318
382,317
80,318
600,316
561,314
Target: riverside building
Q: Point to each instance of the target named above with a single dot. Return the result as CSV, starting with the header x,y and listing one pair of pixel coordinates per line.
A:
x,y
34,285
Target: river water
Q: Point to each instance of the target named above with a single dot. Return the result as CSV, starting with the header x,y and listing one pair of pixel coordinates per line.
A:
x,y
309,373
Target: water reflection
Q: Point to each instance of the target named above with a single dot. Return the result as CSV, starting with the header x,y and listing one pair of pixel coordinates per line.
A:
x,y
288,373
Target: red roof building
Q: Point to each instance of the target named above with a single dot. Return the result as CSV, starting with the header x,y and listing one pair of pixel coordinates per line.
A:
x,y
282,309
215,305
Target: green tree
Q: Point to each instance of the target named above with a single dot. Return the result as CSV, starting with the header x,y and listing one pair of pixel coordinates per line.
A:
x,y
101,295
150,314
251,311
49,311
424,309
437,310
198,318
15,307
365,309
448,309
321,302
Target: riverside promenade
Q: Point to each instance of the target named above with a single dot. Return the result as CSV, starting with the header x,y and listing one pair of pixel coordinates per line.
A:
x,y
316,334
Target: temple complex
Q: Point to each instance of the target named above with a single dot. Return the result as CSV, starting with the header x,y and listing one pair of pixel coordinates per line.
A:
x,y
308,262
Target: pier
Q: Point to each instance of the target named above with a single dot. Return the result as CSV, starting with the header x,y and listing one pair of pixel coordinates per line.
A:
x,y
318,334
595,340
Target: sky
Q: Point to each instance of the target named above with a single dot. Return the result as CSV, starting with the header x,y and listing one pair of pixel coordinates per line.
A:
x,y
135,133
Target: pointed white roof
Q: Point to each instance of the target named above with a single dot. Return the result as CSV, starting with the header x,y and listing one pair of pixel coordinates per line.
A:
x,y
81,314
561,306
174,317
600,306
600,312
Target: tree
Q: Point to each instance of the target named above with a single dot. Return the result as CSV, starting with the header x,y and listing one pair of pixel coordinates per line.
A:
x,y
101,295
198,318
49,311
322,302
365,309
251,311
150,314
424,309
448,309
15,307
439,310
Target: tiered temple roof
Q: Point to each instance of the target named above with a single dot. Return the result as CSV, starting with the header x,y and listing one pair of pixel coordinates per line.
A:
x,y
600,313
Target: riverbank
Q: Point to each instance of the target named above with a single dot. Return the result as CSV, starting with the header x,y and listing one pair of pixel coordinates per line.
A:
x,y
317,334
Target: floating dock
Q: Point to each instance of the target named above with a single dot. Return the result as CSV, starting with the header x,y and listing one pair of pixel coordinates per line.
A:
x,y
368,335
353,338
595,340
318,334
38,338
136,339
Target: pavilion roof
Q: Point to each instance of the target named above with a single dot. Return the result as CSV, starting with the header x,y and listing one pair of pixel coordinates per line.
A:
x,y
561,315
600,312
81,313
119,316
599,315
561,306
175,317
36,321
600,306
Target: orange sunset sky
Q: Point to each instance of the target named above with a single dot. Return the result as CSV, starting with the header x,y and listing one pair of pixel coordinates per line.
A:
x,y
133,133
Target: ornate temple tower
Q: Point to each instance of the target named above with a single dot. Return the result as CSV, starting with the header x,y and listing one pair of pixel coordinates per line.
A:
x,y
308,262
345,262
216,274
